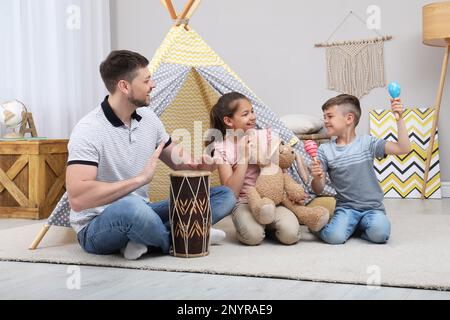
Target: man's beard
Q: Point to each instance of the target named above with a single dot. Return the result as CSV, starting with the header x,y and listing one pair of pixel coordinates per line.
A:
x,y
138,103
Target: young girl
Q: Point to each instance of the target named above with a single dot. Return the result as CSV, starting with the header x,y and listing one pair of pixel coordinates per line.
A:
x,y
234,112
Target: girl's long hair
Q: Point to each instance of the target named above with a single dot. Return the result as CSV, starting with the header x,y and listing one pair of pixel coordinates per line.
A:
x,y
225,107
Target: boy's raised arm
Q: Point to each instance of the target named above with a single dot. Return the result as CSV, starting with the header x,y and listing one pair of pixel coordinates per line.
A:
x,y
403,146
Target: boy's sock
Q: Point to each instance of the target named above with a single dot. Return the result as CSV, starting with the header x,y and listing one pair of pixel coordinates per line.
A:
x,y
134,250
217,236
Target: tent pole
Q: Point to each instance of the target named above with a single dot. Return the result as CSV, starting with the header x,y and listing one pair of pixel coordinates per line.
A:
x,y
169,6
185,11
191,12
193,9
39,237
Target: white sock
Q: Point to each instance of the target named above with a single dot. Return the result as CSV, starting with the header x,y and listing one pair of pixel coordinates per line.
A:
x,y
134,250
217,236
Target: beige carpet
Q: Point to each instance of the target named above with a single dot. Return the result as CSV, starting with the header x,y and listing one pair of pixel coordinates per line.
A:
x,y
417,256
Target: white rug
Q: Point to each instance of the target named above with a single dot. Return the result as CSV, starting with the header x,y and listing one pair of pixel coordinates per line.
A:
x,y
417,255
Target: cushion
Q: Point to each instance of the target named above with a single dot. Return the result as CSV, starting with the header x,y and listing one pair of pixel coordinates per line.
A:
x,y
326,202
302,123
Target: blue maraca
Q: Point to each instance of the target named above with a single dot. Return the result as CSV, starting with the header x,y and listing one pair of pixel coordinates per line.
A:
x,y
394,90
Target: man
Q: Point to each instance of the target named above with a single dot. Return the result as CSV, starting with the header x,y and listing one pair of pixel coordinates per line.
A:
x,y
113,152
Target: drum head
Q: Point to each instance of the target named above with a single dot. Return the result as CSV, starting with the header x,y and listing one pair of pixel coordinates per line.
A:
x,y
190,174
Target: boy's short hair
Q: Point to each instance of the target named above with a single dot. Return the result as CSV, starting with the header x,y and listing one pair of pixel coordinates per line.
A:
x,y
121,65
347,104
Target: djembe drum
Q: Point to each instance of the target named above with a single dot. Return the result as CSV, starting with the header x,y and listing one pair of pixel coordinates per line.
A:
x,y
190,213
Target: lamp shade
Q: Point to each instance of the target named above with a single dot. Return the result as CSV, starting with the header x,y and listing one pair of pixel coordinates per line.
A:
x,y
436,24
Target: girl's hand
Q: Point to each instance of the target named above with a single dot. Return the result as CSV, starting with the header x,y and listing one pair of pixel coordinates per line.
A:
x,y
397,107
243,149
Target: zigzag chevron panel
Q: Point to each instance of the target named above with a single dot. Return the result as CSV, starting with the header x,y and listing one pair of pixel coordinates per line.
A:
x,y
402,176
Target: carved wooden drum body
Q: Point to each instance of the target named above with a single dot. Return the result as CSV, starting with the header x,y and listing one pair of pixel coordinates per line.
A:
x,y
190,213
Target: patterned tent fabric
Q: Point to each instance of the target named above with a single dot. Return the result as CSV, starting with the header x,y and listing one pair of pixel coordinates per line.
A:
x,y
402,176
169,79
60,216
183,49
189,111
190,77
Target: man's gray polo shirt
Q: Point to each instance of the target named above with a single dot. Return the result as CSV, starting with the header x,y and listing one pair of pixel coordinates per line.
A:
x,y
119,152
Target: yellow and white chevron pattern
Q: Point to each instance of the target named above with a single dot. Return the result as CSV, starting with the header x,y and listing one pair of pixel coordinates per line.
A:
x,y
402,176
194,100
193,103
186,48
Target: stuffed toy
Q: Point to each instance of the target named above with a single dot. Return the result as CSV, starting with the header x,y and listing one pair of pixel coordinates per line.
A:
x,y
275,187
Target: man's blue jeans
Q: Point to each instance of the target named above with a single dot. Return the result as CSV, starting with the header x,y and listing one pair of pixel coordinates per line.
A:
x,y
372,225
133,218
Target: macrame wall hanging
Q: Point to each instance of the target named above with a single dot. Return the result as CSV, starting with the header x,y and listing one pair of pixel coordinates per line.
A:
x,y
355,67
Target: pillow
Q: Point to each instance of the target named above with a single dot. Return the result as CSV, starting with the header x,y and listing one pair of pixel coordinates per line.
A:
x,y
302,123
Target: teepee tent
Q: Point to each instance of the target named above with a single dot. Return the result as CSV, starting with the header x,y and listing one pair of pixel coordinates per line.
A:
x,y
190,78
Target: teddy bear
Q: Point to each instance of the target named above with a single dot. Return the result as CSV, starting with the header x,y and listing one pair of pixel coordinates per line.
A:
x,y
274,187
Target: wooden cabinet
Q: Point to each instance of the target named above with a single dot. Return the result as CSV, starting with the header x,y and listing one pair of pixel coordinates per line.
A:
x,y
32,177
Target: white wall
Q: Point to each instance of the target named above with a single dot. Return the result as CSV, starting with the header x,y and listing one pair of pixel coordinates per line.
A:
x,y
270,44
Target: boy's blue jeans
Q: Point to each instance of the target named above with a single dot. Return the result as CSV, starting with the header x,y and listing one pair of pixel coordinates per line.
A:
x,y
372,225
133,218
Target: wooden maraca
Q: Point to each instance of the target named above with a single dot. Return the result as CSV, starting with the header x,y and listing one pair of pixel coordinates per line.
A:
x,y
394,90
311,148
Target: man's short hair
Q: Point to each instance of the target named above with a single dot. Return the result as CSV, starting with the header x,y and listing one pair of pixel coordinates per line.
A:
x,y
121,65
347,104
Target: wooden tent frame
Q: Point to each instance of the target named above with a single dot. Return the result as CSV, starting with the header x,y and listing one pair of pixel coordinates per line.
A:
x,y
188,11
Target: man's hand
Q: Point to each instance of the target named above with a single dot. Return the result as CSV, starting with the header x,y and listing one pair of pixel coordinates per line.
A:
x,y
207,164
316,170
150,168
397,107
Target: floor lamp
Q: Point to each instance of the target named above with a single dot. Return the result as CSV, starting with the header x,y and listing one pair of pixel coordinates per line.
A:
x,y
436,32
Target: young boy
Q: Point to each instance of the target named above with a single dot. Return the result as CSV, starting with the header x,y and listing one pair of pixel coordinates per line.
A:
x,y
349,162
